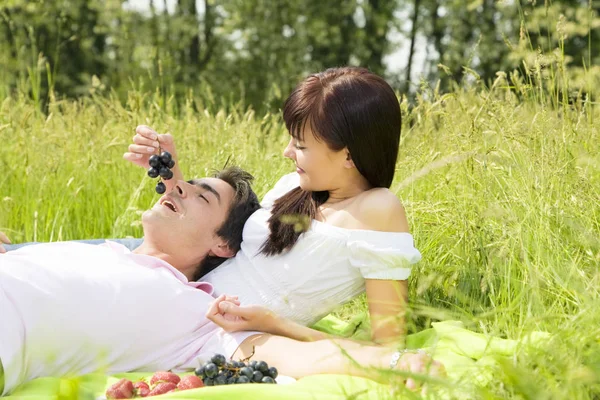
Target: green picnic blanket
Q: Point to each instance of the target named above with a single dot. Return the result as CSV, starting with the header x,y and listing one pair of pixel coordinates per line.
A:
x,y
469,358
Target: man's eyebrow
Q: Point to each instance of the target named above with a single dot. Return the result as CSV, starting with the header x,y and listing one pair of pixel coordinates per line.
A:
x,y
205,186
211,189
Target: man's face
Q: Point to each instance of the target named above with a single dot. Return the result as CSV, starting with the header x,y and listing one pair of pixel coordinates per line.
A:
x,y
187,218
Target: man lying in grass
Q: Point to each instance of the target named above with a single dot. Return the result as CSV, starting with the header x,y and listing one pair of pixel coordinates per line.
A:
x,y
69,308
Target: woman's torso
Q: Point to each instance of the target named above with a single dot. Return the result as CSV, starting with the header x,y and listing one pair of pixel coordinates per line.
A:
x,y
310,280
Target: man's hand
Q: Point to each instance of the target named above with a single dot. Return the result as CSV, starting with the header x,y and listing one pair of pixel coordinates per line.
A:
x,y
226,312
3,239
145,143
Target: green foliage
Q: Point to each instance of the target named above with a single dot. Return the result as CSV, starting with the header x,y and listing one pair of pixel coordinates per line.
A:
x,y
252,52
501,191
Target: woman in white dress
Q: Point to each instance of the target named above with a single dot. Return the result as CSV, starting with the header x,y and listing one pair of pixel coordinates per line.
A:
x,y
344,125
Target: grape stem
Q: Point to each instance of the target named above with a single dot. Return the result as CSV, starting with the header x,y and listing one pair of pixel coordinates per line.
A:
x,y
250,356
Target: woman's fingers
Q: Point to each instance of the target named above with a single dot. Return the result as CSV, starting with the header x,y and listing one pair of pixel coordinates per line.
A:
x,y
5,239
233,299
146,132
144,141
133,157
135,148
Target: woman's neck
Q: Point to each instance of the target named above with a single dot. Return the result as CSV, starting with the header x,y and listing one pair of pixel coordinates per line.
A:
x,y
353,188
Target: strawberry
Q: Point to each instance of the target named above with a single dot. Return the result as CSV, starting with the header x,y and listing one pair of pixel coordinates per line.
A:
x,y
162,388
163,376
190,382
141,388
120,390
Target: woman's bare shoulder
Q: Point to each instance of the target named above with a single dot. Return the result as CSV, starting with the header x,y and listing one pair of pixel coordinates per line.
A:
x,y
380,209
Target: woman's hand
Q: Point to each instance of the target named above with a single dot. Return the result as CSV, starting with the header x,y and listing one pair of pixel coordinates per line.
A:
x,y
420,363
145,143
3,239
226,312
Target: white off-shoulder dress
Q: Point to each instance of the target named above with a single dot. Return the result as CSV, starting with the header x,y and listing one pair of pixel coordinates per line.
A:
x,y
326,268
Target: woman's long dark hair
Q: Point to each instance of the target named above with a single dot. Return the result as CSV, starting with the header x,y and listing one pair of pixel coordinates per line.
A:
x,y
344,107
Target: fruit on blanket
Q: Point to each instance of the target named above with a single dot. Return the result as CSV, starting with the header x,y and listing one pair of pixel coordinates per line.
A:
x,y
219,360
190,382
257,376
221,371
164,376
210,370
123,389
220,380
162,388
262,367
143,392
273,373
141,384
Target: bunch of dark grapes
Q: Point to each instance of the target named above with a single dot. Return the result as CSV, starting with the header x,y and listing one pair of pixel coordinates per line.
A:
x,y
220,371
160,165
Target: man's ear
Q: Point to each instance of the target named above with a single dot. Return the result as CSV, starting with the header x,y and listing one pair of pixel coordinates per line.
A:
x,y
349,163
222,249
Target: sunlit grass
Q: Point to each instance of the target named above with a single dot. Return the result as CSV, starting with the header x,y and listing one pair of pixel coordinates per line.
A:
x,y
503,198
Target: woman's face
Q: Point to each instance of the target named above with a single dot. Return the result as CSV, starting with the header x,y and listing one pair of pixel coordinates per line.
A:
x,y
319,167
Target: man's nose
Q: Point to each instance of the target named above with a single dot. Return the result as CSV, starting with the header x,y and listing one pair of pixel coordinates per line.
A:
x,y
181,189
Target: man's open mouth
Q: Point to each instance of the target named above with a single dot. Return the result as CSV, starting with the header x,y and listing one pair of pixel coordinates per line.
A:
x,y
169,204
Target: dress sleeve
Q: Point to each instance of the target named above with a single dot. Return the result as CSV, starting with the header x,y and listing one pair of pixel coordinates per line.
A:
x,y
284,185
383,255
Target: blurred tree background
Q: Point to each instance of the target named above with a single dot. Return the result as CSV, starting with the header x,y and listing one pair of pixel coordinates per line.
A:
x,y
252,52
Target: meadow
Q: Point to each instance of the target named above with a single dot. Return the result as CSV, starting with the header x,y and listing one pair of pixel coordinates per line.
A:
x,y
501,187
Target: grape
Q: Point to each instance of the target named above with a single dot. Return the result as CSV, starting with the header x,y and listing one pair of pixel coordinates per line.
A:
x,y
229,365
218,359
273,373
262,367
154,161
220,380
160,188
208,382
199,371
247,372
165,158
243,379
253,364
152,172
257,376
164,173
210,370
231,380
267,379
171,164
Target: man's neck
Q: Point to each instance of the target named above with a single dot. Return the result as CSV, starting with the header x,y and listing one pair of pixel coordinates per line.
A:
x,y
188,269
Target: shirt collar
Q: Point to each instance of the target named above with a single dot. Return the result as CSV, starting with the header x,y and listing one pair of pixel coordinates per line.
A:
x,y
154,262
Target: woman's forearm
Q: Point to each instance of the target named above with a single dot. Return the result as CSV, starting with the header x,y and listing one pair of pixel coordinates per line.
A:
x,y
290,329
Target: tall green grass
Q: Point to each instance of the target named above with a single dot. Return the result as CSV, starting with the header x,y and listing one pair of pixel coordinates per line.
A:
x,y
502,190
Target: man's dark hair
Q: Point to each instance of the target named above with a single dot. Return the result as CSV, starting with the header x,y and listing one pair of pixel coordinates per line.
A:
x,y
244,203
